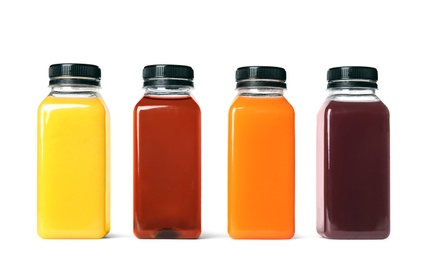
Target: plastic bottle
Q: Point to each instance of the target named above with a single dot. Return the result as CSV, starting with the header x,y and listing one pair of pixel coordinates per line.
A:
x,y
167,155
261,157
353,157
73,155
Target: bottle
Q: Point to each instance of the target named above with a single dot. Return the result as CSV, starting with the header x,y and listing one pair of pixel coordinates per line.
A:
x,y
167,155
261,157
353,157
73,155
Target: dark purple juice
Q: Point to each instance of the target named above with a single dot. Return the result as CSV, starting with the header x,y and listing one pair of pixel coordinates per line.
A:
x,y
353,170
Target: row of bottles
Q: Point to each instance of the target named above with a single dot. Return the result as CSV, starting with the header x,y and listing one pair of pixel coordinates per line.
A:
x,y
352,156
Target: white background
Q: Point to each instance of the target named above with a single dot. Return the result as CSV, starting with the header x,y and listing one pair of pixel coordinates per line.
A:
x,y
399,38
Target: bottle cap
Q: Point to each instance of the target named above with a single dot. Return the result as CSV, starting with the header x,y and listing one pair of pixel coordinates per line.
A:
x,y
352,76
75,74
168,75
263,76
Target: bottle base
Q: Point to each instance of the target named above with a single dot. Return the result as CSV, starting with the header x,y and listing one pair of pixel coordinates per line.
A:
x,y
72,234
355,234
261,234
168,233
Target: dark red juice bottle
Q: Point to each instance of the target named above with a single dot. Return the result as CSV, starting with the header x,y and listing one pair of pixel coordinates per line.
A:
x,y
167,155
353,158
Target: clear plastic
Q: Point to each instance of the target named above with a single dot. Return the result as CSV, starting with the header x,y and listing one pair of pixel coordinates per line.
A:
x,y
168,91
260,91
72,91
352,94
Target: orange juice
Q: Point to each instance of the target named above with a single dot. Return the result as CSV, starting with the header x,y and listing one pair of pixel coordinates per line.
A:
x,y
261,168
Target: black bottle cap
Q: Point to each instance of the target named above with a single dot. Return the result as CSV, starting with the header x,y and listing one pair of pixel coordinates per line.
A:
x,y
352,76
168,75
263,76
74,73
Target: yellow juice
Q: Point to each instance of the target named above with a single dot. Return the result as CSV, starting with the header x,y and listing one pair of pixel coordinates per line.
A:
x,y
73,168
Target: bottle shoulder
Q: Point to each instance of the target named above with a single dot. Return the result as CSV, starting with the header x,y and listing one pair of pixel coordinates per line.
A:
x,y
147,102
256,102
342,107
270,105
52,103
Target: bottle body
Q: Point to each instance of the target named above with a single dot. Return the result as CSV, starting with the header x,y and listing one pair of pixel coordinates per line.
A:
x,y
353,166
167,164
261,167
73,167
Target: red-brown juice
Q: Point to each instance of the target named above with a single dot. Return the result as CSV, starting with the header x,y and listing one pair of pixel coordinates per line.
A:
x,y
354,176
167,168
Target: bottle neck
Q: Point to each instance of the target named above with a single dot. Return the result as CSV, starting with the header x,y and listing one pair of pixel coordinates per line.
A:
x,y
168,91
78,91
352,94
260,91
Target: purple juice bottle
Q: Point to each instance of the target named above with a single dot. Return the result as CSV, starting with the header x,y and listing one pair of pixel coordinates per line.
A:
x,y
353,158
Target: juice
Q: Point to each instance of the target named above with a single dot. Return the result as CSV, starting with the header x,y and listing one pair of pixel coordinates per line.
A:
x,y
73,168
261,168
353,170
167,168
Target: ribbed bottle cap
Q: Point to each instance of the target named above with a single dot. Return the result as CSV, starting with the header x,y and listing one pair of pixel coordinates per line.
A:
x,y
74,69
165,74
352,76
65,73
265,76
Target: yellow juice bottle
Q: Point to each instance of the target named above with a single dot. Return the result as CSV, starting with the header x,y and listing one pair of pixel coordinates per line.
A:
x,y
261,157
73,155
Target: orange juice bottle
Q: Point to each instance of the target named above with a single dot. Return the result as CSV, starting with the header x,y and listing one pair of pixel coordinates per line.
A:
x,y
261,157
